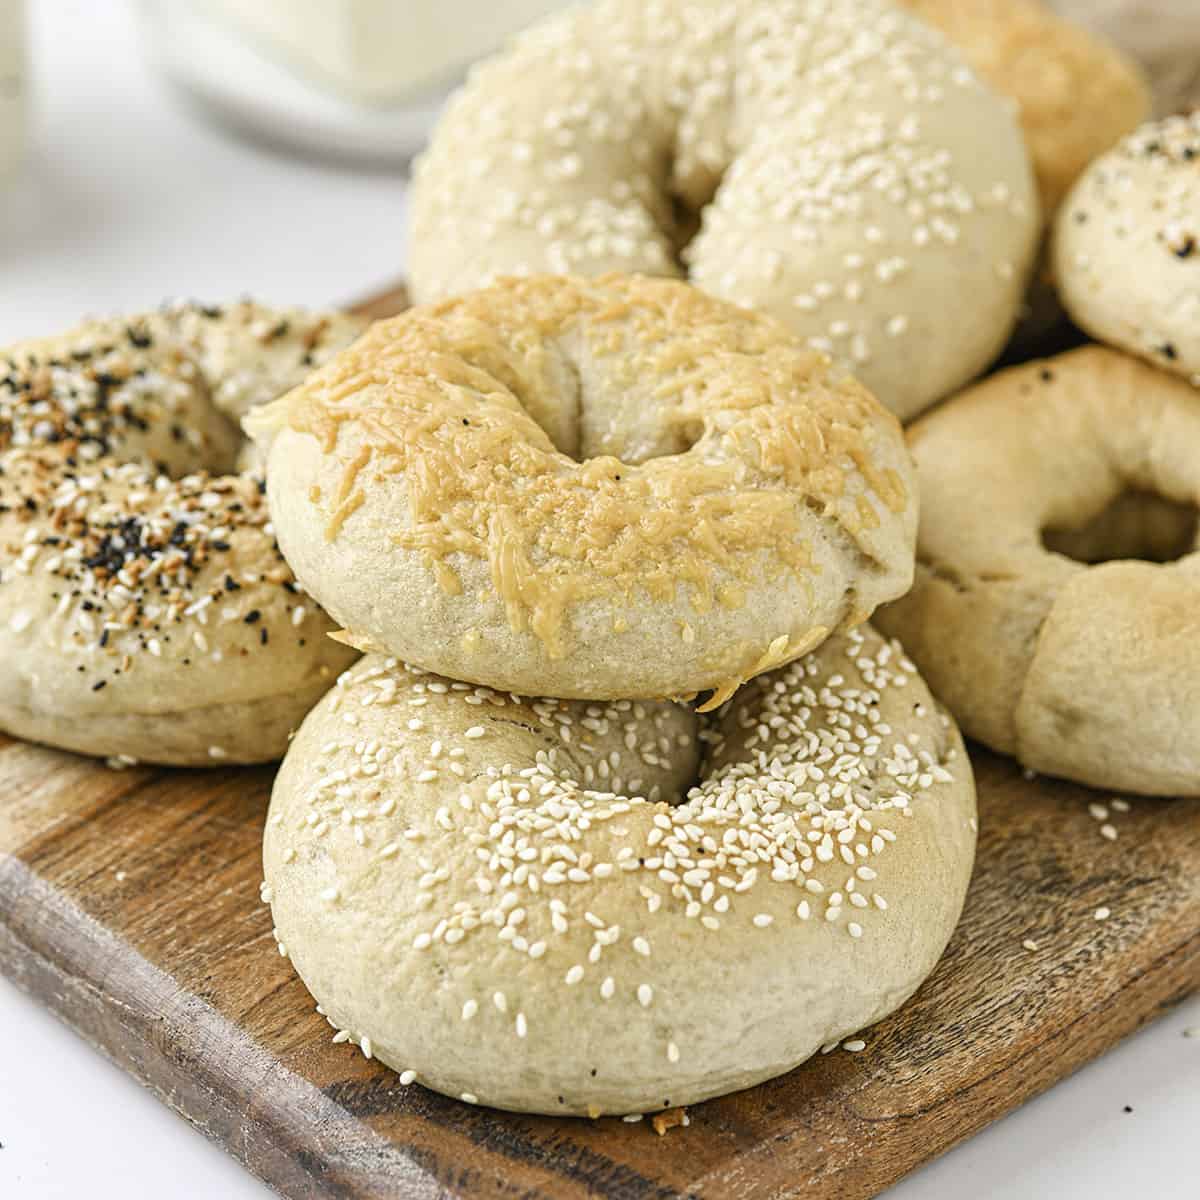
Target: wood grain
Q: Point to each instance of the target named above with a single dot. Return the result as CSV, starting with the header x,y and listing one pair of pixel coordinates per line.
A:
x,y
129,906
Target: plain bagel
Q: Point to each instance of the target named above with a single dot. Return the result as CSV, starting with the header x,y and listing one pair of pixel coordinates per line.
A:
x,y
1032,617
819,162
617,487
1127,246
1162,35
539,905
146,612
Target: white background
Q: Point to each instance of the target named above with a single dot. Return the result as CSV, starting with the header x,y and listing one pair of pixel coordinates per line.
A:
x,y
127,198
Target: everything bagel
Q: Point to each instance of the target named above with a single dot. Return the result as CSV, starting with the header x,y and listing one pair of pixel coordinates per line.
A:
x,y
145,610
589,488
817,161
1031,615
585,908
1127,246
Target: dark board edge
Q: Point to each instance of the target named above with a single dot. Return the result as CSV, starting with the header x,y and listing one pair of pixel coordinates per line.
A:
x,y
305,1146
299,1142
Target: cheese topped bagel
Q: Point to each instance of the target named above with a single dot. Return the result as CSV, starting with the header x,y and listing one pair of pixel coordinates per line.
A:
x,y
596,488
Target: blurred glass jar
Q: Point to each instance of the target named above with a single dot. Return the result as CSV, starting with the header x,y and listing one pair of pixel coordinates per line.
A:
x,y
358,79
12,86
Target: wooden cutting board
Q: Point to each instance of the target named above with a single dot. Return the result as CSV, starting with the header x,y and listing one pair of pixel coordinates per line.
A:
x,y
129,906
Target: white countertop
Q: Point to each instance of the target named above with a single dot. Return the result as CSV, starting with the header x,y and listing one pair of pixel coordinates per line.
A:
x,y
129,197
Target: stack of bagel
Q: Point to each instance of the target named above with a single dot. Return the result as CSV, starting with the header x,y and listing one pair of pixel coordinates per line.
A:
x,y
732,827
626,802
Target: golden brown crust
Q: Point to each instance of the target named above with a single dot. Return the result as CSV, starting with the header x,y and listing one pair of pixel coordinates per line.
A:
x,y
1076,94
1162,35
1079,671
703,455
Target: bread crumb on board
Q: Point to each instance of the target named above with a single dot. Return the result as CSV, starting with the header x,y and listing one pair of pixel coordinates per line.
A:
x,y
670,1119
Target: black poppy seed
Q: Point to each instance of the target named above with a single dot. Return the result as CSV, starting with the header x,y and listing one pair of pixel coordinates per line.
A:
x,y
252,617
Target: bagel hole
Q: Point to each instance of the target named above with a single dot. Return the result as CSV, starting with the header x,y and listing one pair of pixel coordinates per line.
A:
x,y
640,442
1134,525
685,224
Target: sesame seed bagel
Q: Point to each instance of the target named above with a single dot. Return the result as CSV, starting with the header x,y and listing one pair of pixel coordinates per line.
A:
x,y
819,160
1076,94
583,908
617,487
1127,246
146,612
1032,617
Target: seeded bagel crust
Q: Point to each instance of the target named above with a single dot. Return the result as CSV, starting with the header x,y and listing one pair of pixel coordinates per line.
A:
x,y
539,905
589,488
1076,94
145,610
1091,673
834,164
1127,246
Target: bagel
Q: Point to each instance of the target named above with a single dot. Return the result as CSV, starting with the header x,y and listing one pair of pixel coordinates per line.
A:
x,y
145,610
1163,35
611,488
1088,669
1076,95
1127,246
538,904
819,162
